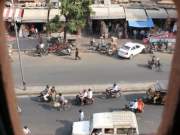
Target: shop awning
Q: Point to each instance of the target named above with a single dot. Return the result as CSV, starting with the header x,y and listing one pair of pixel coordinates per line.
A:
x,y
54,12
99,13
135,14
141,24
116,13
8,14
35,15
157,13
103,12
172,13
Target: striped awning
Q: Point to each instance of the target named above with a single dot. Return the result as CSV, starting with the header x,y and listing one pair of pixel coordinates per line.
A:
x,y
135,14
157,13
9,13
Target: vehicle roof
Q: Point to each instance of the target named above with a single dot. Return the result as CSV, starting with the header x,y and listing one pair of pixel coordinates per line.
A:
x,y
121,119
161,85
81,127
131,44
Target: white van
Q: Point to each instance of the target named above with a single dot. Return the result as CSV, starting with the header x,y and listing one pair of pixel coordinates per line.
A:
x,y
108,123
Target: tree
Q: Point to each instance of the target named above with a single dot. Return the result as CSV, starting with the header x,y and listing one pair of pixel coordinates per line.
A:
x,y
76,13
54,24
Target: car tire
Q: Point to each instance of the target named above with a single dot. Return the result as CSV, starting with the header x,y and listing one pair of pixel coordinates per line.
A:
x,y
143,50
131,57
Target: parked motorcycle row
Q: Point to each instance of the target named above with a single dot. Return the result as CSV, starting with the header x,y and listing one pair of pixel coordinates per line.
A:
x,y
54,46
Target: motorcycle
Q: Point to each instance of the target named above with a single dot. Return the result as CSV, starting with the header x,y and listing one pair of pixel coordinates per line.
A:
x,y
41,50
86,101
114,94
41,99
154,65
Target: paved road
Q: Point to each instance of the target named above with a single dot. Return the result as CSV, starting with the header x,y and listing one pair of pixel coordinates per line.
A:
x,y
92,69
44,120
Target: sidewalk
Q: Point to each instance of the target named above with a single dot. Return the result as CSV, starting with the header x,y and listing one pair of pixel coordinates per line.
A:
x,y
126,87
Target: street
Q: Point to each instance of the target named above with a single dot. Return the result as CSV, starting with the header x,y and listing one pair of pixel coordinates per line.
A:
x,y
94,68
42,119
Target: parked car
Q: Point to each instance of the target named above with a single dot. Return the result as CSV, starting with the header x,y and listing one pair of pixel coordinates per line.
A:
x,y
108,123
159,91
130,49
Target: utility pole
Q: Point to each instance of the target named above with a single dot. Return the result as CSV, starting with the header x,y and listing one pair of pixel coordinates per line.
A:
x,y
19,51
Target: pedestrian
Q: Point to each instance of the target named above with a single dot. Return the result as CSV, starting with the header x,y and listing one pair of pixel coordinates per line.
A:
x,y
81,115
77,54
26,131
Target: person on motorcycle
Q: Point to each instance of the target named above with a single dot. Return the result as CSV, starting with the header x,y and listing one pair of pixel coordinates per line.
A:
x,y
82,96
153,60
45,91
90,94
156,97
115,88
157,63
62,100
133,105
51,93
140,107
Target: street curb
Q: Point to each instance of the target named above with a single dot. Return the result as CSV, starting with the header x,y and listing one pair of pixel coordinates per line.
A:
x,y
74,89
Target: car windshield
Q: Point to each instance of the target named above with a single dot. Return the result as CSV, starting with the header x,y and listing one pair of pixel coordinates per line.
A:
x,y
125,47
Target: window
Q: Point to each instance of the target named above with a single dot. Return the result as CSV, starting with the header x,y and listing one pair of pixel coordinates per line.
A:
x,y
126,47
109,131
137,46
128,131
133,48
96,131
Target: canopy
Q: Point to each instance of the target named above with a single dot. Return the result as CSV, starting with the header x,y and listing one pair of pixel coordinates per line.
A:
x,y
104,12
141,24
135,14
34,15
157,13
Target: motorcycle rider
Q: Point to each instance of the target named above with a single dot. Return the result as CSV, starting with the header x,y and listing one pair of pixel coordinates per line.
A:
x,y
140,107
133,105
62,100
51,93
153,60
90,94
45,91
82,96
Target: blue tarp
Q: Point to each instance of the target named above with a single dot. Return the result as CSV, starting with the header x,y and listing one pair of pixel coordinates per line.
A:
x,y
141,24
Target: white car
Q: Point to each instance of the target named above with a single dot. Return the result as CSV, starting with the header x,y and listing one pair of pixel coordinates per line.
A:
x,y
108,123
130,49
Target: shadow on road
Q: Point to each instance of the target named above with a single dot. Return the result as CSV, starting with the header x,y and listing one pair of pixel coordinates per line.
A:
x,y
46,106
143,66
68,58
65,129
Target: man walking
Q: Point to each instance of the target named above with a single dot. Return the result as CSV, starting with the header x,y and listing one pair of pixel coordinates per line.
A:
x,y
81,115
77,54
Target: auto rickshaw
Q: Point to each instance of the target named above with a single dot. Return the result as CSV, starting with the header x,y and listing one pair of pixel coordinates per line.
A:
x,y
157,93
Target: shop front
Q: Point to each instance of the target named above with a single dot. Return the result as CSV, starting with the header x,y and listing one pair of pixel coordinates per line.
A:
x,y
108,20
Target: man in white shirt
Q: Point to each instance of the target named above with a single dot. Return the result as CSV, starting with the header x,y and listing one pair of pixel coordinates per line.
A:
x,y
83,95
133,106
81,115
115,88
90,94
26,131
